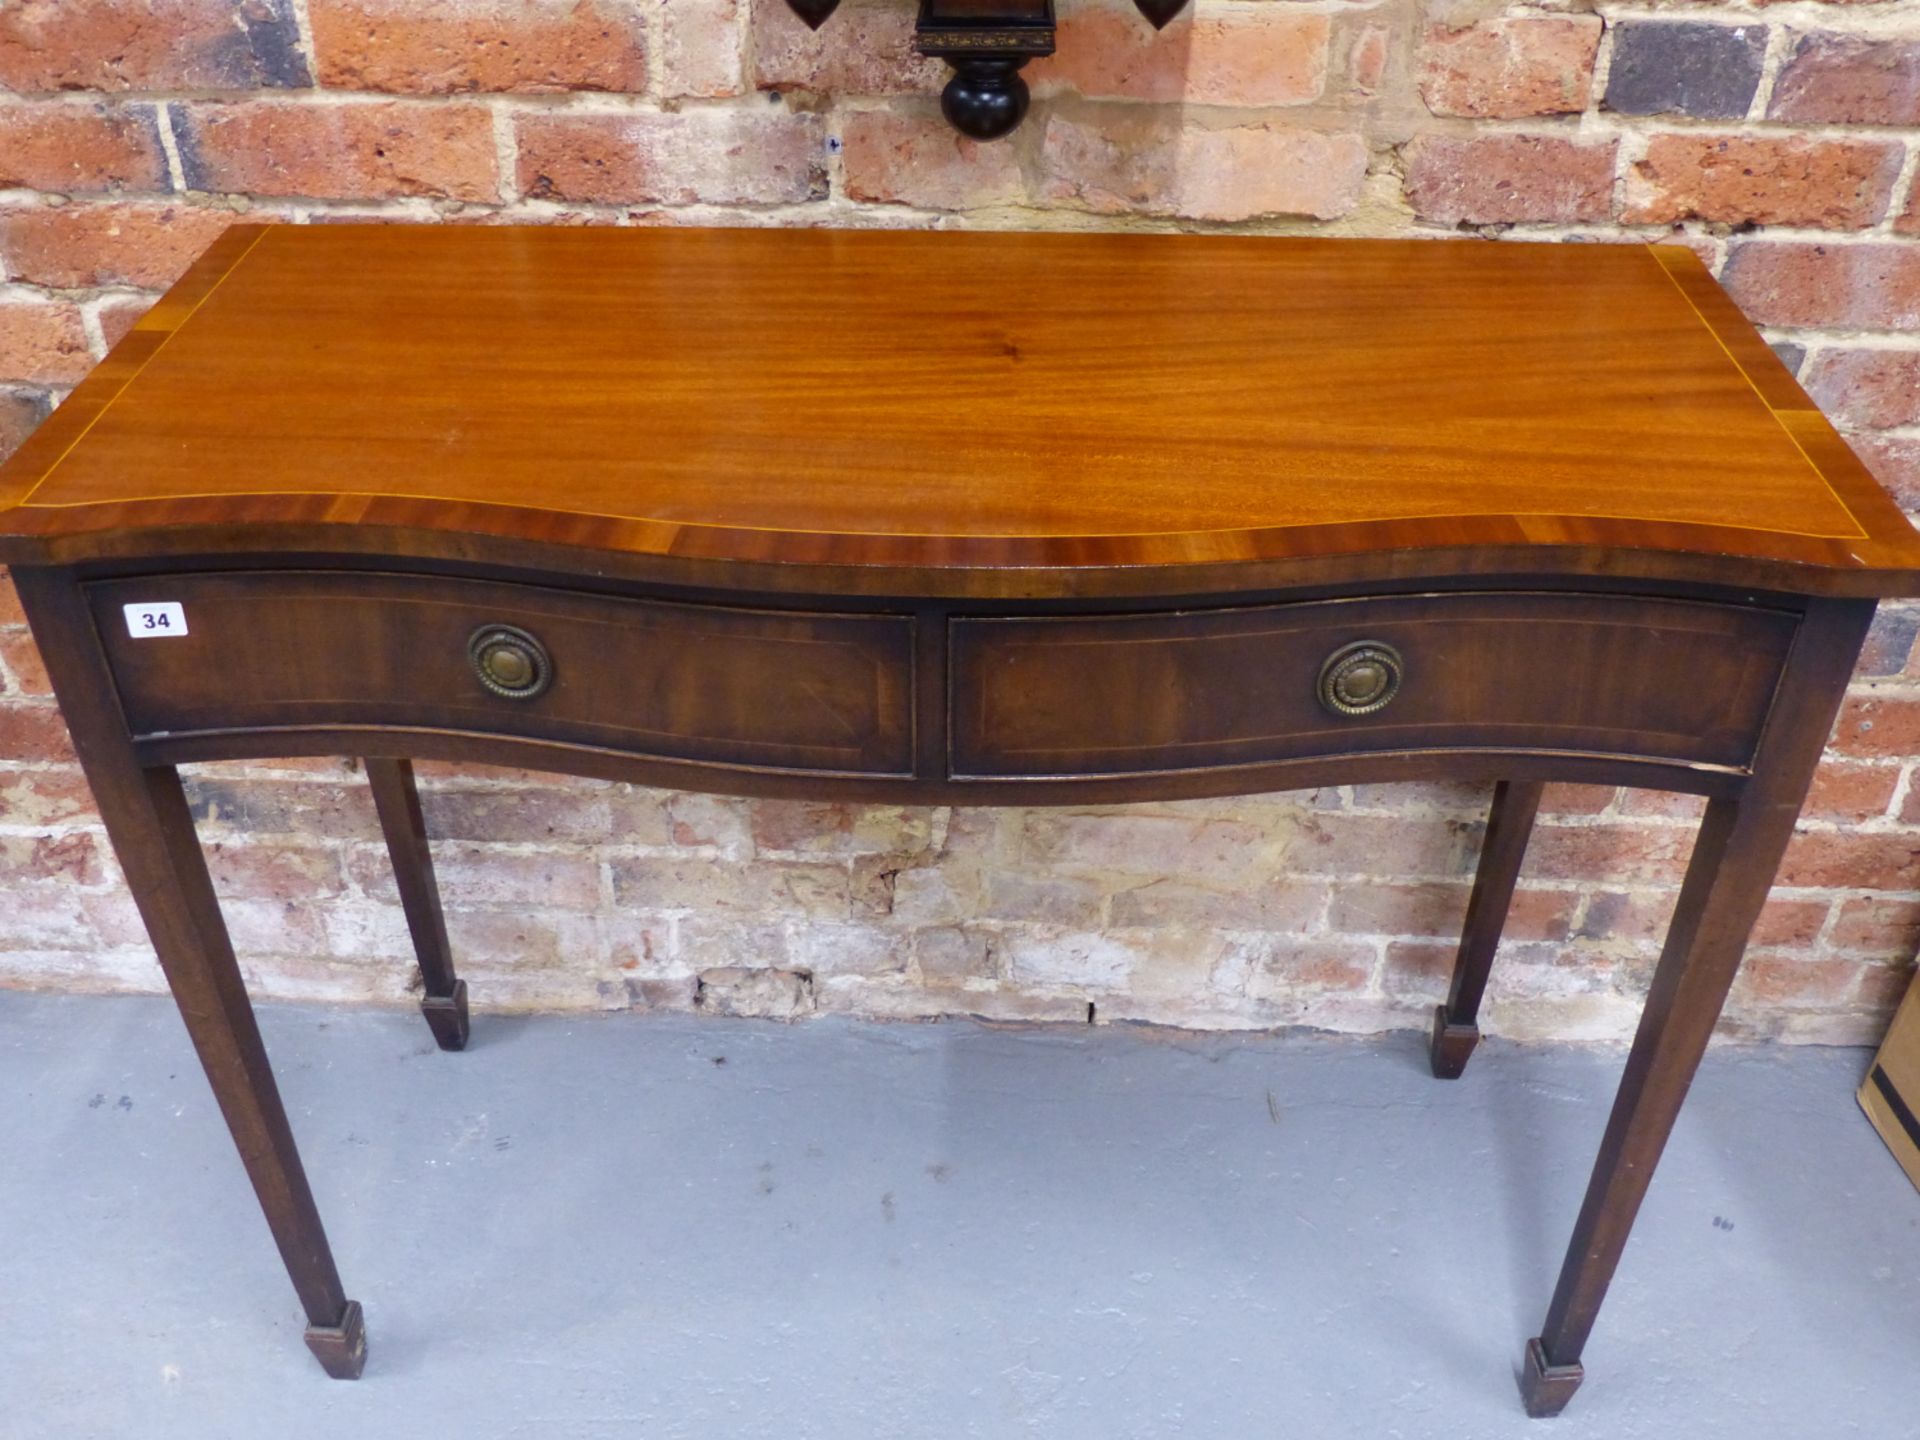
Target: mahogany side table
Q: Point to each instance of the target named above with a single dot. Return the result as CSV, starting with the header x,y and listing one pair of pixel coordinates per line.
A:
x,y
961,519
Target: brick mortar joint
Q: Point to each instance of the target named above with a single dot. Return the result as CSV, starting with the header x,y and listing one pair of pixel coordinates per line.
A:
x,y
164,122
653,25
1875,22
92,321
1876,825
1320,115
1818,341
1906,189
612,102
303,29
1597,125
1894,687
300,209
59,830
506,154
1771,62
611,848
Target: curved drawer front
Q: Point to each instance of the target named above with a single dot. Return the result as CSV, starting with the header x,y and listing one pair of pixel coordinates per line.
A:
x,y
274,650
1669,680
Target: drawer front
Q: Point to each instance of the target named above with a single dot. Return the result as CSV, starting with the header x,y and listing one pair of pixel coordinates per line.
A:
x,y
1583,674
757,688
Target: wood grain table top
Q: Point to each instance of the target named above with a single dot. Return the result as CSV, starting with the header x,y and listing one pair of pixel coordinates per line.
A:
x,y
937,406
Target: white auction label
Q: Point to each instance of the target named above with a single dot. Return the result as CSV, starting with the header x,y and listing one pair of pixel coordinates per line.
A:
x,y
165,618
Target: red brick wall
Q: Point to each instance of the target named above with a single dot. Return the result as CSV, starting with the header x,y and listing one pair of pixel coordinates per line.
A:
x,y
1780,140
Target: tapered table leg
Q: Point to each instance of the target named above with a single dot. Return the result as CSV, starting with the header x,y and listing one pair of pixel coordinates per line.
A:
x,y
151,828
1456,1028
398,801
1734,859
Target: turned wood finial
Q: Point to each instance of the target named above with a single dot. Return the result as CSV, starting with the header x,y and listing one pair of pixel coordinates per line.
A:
x,y
1159,12
987,42
815,12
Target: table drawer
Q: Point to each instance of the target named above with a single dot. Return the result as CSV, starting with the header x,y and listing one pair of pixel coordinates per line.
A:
x,y
275,650
1663,679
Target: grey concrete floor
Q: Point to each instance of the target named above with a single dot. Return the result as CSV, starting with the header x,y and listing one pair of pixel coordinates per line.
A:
x,y
663,1227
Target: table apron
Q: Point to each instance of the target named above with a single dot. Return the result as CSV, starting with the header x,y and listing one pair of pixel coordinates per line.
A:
x,y
923,705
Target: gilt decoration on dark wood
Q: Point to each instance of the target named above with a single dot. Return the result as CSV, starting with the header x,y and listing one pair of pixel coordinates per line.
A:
x,y
988,43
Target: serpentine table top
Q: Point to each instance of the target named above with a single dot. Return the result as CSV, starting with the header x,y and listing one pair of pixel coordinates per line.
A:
x,y
980,414
952,518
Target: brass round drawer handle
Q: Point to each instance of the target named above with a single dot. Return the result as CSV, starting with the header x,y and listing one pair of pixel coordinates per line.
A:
x,y
509,661
1361,678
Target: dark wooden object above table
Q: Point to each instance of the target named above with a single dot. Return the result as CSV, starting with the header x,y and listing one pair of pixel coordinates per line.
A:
x,y
988,43
956,519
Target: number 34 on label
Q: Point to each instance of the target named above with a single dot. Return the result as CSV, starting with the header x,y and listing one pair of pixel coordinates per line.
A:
x,y
146,622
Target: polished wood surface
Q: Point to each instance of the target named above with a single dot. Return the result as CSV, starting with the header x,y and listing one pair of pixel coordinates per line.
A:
x,y
1735,855
723,686
961,519
1566,674
147,818
1456,1023
980,413
736,694
404,827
